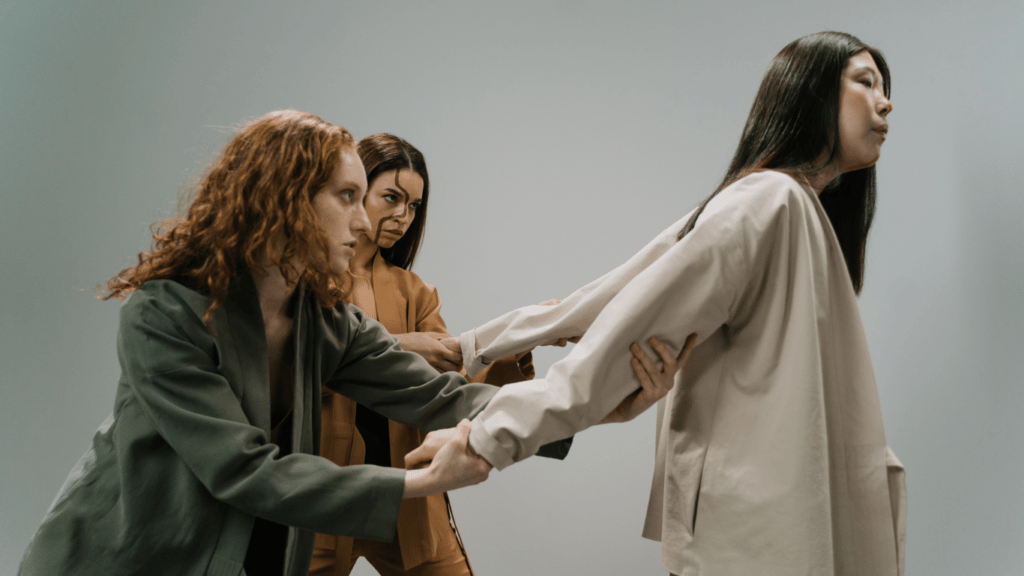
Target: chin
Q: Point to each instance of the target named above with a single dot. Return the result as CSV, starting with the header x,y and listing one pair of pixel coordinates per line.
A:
x,y
867,163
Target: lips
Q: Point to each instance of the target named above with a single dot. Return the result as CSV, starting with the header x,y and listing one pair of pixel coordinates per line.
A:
x,y
883,129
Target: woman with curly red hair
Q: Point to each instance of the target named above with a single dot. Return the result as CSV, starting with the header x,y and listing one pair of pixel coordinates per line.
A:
x,y
207,464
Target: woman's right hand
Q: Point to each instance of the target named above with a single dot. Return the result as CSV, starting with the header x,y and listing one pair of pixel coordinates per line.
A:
x,y
452,464
655,382
437,348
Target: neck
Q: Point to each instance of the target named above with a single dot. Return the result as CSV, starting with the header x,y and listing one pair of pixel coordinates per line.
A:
x,y
360,263
274,293
821,179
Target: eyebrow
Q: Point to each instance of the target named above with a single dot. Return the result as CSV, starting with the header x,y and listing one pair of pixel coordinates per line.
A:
x,y
399,191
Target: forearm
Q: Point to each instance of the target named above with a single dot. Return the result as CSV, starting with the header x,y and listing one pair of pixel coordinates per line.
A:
x,y
420,399
508,370
527,416
310,492
685,291
401,385
532,326
419,484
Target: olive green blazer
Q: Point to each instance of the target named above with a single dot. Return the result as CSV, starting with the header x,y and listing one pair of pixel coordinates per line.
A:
x,y
177,474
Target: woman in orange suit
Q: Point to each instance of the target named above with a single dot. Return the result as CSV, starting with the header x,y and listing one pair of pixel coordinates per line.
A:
x,y
384,288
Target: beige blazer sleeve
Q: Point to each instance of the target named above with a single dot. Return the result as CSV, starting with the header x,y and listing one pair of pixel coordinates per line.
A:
x,y
669,290
533,326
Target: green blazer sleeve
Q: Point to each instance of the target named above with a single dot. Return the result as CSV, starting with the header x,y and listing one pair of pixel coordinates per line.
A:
x,y
176,474
372,369
171,364
402,386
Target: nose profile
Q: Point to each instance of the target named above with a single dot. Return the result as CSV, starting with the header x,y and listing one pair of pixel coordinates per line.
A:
x,y
886,107
360,221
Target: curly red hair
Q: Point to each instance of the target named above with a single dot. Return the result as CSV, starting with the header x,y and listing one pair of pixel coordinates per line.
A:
x,y
253,209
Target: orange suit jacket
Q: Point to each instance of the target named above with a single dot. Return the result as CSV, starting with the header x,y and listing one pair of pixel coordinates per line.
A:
x,y
405,303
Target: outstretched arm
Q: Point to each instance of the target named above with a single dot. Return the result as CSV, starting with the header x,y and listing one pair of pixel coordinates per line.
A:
x,y
451,460
696,285
539,325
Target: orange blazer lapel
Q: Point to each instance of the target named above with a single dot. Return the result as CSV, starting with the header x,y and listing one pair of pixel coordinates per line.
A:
x,y
391,304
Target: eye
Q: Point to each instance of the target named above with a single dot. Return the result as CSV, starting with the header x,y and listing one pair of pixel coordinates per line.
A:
x,y
391,198
868,83
414,206
347,195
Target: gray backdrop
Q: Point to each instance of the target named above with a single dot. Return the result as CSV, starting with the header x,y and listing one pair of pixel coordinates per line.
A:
x,y
560,137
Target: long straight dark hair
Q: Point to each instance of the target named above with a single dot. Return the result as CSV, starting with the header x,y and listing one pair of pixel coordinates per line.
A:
x,y
385,152
794,119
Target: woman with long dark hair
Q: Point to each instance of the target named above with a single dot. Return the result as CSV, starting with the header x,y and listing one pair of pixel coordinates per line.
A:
x,y
771,456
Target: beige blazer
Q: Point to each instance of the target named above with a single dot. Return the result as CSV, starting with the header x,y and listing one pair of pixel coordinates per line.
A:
x,y
771,457
405,303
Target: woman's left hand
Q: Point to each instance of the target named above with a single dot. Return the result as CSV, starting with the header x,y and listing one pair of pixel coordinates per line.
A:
x,y
654,383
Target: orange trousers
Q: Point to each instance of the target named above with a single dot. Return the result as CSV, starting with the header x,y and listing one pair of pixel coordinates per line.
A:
x,y
386,557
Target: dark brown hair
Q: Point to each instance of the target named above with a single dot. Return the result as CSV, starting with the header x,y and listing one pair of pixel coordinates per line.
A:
x,y
794,119
385,152
257,194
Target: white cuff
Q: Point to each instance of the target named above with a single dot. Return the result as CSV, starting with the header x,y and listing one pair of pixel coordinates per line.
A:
x,y
474,364
487,447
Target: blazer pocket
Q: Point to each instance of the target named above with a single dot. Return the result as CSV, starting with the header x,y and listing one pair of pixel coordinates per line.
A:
x,y
696,499
696,503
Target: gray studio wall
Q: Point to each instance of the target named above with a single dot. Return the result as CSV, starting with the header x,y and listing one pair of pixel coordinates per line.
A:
x,y
560,137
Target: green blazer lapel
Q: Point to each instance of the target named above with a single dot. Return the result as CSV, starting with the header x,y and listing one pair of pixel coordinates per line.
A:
x,y
302,422
243,349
